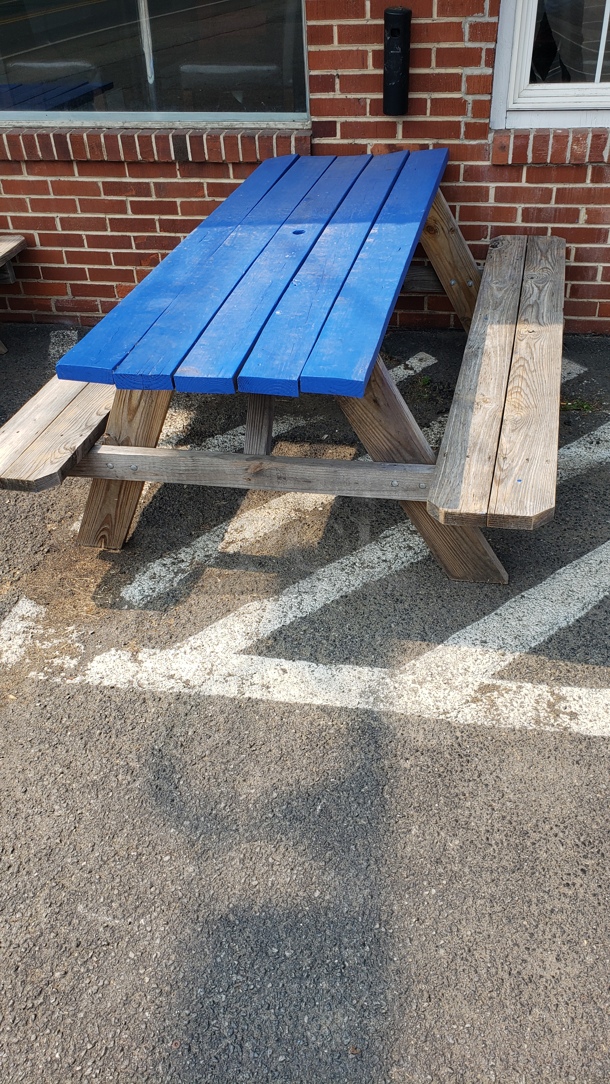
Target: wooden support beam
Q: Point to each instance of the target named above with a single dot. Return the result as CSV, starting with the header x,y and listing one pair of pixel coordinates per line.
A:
x,y
137,419
389,431
387,481
259,425
451,259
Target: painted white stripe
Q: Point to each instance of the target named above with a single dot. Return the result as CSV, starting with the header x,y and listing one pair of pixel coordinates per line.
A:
x,y
570,370
592,450
451,681
17,630
416,364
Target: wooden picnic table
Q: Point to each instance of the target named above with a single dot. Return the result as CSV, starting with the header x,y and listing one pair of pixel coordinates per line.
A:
x,y
288,288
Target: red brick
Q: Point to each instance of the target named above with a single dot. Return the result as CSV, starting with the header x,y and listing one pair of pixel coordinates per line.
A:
x,y
135,259
540,147
325,129
464,193
25,186
360,83
437,32
93,289
600,175
338,59
500,151
78,146
143,170
476,130
321,34
482,31
480,108
163,147
580,308
324,10
64,274
459,57
131,223
50,169
367,129
560,215
247,147
213,147
21,223
108,241
126,188
583,235
431,129
589,291
95,146
196,147
87,256
30,146
322,84
47,289
146,147
556,174
101,169
444,107
435,82
103,206
586,254
579,146
457,9
490,213
112,274
80,304
153,207
75,187
595,215
97,223
559,146
359,34
26,304
579,272
422,9
524,194
161,242
583,195
15,146
179,144
52,205
598,151
478,84
241,170
68,240
112,146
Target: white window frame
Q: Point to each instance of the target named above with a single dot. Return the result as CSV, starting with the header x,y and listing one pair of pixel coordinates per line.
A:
x,y
517,103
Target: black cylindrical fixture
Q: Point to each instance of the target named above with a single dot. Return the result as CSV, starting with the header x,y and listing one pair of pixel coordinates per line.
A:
x,y
396,49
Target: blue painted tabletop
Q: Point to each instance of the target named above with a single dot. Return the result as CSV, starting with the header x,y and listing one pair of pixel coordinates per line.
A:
x,y
287,287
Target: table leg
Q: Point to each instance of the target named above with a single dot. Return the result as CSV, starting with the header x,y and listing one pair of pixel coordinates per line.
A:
x,y
259,425
390,434
136,420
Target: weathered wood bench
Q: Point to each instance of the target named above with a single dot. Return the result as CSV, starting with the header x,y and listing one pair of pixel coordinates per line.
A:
x,y
10,246
497,463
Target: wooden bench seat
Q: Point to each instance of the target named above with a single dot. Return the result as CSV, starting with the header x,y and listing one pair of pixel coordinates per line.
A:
x,y
44,440
497,465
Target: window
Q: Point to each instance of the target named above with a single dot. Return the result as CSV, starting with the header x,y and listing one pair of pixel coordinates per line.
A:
x,y
552,64
138,60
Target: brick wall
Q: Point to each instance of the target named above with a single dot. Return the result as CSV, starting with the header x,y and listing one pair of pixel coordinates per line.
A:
x,y
100,209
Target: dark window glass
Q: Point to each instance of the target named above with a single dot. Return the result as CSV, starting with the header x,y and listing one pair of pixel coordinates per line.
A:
x,y
570,42
153,55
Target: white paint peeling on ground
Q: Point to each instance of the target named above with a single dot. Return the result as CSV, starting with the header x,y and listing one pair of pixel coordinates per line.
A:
x,y
454,681
570,370
18,629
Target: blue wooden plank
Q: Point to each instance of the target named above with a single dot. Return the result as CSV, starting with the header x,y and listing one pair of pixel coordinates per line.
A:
x,y
96,356
212,364
275,364
152,363
343,357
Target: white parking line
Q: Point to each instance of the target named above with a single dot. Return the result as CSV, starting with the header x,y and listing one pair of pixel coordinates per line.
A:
x,y
17,630
452,681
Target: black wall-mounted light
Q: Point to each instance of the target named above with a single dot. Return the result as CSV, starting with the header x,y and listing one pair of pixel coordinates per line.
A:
x,y
396,50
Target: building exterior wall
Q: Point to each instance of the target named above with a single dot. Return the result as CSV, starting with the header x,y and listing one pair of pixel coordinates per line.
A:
x,y
99,209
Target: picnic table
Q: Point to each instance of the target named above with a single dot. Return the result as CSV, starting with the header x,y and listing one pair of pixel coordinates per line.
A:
x,y
287,289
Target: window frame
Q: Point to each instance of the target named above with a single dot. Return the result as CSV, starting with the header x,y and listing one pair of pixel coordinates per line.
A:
x,y
516,103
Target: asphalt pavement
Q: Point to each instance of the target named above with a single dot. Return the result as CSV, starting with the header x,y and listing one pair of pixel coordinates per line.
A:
x,y
279,802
